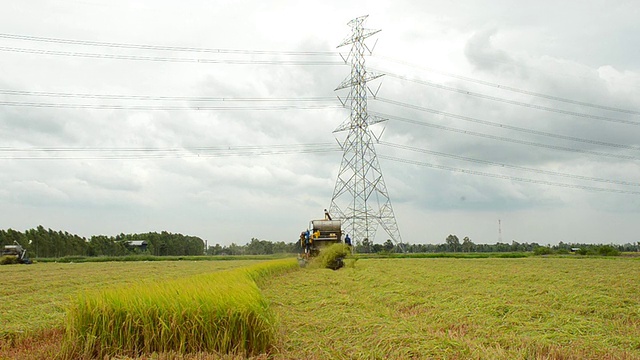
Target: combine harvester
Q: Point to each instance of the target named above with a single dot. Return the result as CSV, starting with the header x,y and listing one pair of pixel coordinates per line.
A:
x,y
17,252
320,234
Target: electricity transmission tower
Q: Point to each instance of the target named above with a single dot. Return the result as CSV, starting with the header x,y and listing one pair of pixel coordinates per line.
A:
x,y
360,198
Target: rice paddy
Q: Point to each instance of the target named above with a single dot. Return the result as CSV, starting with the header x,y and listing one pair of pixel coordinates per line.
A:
x,y
530,308
524,308
221,312
35,297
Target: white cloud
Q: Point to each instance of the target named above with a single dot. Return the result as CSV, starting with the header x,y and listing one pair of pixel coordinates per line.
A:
x,y
565,53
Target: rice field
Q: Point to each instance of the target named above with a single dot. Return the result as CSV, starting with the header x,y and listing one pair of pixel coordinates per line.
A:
x,y
530,308
35,297
526,308
222,312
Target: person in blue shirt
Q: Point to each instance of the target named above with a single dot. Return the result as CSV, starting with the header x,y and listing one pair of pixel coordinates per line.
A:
x,y
307,242
347,240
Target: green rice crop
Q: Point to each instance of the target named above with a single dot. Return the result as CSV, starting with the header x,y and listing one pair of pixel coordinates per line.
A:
x,y
222,312
36,297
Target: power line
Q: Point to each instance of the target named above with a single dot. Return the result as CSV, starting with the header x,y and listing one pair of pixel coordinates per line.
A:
x,y
111,153
515,141
502,165
508,127
516,90
512,102
157,97
508,177
163,47
149,153
628,122
168,59
218,151
165,107
326,145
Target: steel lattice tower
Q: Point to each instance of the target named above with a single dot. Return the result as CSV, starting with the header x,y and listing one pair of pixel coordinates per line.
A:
x,y
360,198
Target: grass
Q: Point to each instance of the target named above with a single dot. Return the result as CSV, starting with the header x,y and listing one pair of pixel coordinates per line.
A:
x,y
559,307
222,312
530,308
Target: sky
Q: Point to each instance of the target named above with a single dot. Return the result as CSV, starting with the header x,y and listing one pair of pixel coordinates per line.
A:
x,y
507,120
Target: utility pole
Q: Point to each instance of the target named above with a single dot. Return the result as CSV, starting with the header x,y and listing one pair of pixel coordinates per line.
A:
x,y
499,231
360,198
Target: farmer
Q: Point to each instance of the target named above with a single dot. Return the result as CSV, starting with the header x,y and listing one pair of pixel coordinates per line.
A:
x,y
307,243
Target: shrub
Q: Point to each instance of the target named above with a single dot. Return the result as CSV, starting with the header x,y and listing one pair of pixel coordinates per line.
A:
x,y
607,250
542,250
222,312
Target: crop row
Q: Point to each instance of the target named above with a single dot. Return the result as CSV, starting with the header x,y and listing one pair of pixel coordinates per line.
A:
x,y
223,312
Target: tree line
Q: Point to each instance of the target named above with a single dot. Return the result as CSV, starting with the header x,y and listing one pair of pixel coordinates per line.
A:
x,y
47,243
256,247
453,244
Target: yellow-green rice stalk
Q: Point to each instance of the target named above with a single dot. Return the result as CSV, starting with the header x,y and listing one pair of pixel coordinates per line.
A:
x,y
222,312
332,257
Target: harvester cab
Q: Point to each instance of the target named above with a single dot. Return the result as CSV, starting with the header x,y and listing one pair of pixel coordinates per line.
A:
x,y
16,251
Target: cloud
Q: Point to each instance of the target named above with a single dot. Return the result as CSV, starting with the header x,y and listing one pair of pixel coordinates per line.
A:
x,y
481,53
167,184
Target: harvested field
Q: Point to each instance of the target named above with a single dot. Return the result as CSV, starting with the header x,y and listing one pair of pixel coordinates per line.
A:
x,y
530,308
524,308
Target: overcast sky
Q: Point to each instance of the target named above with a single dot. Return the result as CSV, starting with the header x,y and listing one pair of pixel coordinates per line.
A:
x,y
486,101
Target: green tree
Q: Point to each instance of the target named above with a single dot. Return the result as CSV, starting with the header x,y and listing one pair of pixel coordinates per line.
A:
x,y
388,245
453,243
214,250
366,246
259,247
467,245
233,249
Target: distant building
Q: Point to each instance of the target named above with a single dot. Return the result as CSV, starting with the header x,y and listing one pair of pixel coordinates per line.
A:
x,y
138,244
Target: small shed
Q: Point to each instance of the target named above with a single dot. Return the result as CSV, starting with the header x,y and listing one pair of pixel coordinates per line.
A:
x,y
138,244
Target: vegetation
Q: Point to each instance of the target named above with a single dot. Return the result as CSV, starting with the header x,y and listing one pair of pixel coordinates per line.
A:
x,y
34,297
222,312
441,308
450,255
9,260
453,244
47,243
143,257
256,247
44,243
527,308
332,257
